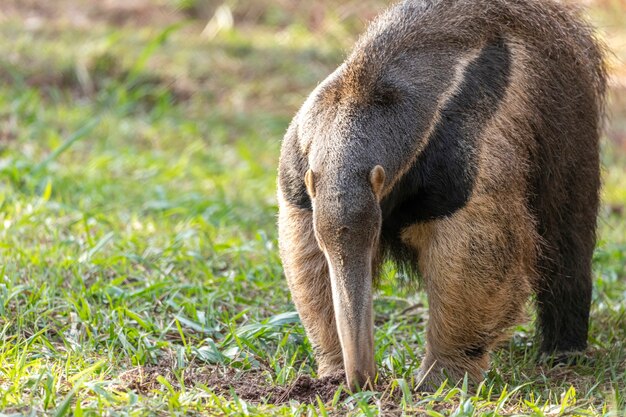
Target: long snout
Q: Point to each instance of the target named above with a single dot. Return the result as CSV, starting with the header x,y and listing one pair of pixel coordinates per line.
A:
x,y
351,282
347,226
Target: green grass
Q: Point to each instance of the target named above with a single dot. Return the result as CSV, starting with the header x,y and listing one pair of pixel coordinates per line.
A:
x,y
138,237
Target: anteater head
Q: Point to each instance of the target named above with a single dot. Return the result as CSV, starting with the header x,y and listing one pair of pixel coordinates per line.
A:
x,y
347,222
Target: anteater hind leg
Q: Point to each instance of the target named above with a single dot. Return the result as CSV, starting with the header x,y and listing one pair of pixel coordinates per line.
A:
x,y
474,270
564,288
306,270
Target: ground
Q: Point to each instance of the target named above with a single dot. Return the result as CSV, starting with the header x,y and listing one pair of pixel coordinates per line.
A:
x,y
139,276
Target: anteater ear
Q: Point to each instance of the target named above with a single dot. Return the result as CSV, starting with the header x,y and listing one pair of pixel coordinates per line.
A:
x,y
377,179
310,183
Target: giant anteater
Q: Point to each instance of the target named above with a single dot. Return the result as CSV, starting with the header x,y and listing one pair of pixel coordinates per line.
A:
x,y
460,140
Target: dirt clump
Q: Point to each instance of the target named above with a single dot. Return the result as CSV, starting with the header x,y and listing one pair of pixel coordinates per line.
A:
x,y
304,389
250,386
254,386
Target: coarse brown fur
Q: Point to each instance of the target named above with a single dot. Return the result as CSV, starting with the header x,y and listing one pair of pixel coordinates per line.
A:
x,y
459,139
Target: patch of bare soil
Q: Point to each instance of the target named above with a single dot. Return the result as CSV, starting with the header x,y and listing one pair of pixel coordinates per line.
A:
x,y
249,386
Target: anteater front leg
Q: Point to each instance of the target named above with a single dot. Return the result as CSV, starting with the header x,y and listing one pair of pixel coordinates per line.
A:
x,y
475,270
306,270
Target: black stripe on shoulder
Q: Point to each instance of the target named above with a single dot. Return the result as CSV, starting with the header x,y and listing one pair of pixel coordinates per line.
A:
x,y
441,179
291,169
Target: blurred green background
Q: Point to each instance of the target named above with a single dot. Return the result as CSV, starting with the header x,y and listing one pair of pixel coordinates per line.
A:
x,y
138,148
